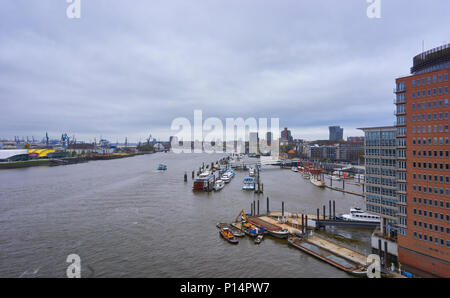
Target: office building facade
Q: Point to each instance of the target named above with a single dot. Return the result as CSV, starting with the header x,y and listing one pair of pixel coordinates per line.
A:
x,y
423,189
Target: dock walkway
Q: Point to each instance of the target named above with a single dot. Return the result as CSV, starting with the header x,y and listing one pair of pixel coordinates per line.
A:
x,y
337,249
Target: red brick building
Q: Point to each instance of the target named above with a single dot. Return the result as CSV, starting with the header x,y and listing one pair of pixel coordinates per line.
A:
x,y
423,187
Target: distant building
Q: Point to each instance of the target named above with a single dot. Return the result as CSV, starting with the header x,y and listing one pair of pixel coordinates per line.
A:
x,y
380,176
269,137
336,133
355,139
351,151
381,188
286,136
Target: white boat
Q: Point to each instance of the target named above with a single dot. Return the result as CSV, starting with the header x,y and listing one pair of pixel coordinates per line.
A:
x,y
356,214
226,177
249,183
316,182
283,233
204,174
251,172
219,184
294,169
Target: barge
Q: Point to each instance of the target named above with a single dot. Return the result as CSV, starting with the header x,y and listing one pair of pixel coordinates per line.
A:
x,y
328,256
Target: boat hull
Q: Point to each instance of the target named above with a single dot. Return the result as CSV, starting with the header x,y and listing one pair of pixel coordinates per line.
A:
x,y
229,240
277,234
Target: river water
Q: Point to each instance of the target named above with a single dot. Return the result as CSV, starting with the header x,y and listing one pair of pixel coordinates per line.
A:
x,y
125,219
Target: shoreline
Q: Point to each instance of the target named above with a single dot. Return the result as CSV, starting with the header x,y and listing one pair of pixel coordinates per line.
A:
x,y
65,161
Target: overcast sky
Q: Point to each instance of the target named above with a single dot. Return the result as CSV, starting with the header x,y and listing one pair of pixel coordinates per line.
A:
x,y
128,68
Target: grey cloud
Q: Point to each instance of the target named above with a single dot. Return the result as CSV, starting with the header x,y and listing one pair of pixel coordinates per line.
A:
x,y
129,68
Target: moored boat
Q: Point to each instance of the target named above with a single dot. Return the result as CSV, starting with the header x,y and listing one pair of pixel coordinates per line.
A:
x,y
283,233
249,183
259,239
251,230
328,257
356,214
226,177
203,181
218,185
228,235
316,182
294,169
235,231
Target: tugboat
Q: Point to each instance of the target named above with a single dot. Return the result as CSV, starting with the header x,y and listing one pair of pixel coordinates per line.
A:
x,y
162,167
227,235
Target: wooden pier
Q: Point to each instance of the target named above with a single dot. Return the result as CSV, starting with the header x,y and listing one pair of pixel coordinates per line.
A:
x,y
345,191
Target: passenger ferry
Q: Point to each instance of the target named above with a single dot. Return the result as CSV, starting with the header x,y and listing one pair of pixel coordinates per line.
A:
x,y
249,183
201,182
356,214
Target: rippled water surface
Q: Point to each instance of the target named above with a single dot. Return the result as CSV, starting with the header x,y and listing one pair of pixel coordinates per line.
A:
x,y
124,219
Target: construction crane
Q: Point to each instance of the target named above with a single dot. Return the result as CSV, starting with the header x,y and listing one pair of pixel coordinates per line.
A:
x,y
241,216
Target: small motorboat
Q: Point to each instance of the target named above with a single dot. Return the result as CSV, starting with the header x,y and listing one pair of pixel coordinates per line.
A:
x,y
294,169
249,183
228,235
259,239
218,185
283,233
226,177
162,167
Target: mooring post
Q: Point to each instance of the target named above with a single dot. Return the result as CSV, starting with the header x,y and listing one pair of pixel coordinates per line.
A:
x,y
331,180
282,209
385,254
343,183
258,207
334,210
267,205
193,174
329,206
306,223
318,219
185,177
251,209
380,252
303,223
324,212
